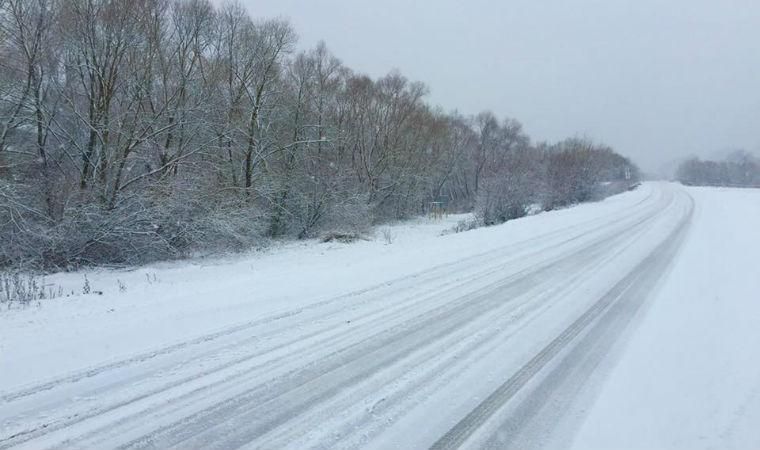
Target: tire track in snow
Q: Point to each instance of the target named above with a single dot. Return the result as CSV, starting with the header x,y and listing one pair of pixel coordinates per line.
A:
x,y
435,273
261,394
411,279
79,417
429,370
648,270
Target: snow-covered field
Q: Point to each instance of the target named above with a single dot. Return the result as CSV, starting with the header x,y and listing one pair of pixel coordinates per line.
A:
x,y
630,322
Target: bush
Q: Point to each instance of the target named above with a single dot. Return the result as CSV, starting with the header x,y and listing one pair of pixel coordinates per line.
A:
x,y
139,230
25,288
344,237
466,225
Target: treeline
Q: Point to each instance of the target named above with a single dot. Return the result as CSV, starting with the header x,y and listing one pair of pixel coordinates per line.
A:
x,y
739,169
139,130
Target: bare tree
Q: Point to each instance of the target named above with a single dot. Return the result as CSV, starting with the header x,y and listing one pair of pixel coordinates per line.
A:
x,y
147,129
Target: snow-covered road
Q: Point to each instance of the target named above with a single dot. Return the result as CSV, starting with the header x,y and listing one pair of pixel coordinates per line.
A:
x,y
511,336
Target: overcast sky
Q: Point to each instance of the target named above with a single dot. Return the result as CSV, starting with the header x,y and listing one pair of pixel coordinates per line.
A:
x,y
656,79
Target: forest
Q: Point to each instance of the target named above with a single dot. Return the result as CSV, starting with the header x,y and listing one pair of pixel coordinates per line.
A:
x,y
143,130
739,169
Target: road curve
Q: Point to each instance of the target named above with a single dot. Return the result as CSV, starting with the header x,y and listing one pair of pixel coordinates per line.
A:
x,y
481,353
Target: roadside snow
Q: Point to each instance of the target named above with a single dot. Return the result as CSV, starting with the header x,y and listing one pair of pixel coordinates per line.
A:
x,y
690,375
173,302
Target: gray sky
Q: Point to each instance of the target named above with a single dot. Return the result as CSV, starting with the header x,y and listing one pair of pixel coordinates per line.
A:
x,y
657,80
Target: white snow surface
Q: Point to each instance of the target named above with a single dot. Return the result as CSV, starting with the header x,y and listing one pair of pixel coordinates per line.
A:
x,y
689,377
377,345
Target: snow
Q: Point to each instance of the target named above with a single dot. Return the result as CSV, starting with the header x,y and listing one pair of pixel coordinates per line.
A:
x,y
690,374
176,301
379,345
173,302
